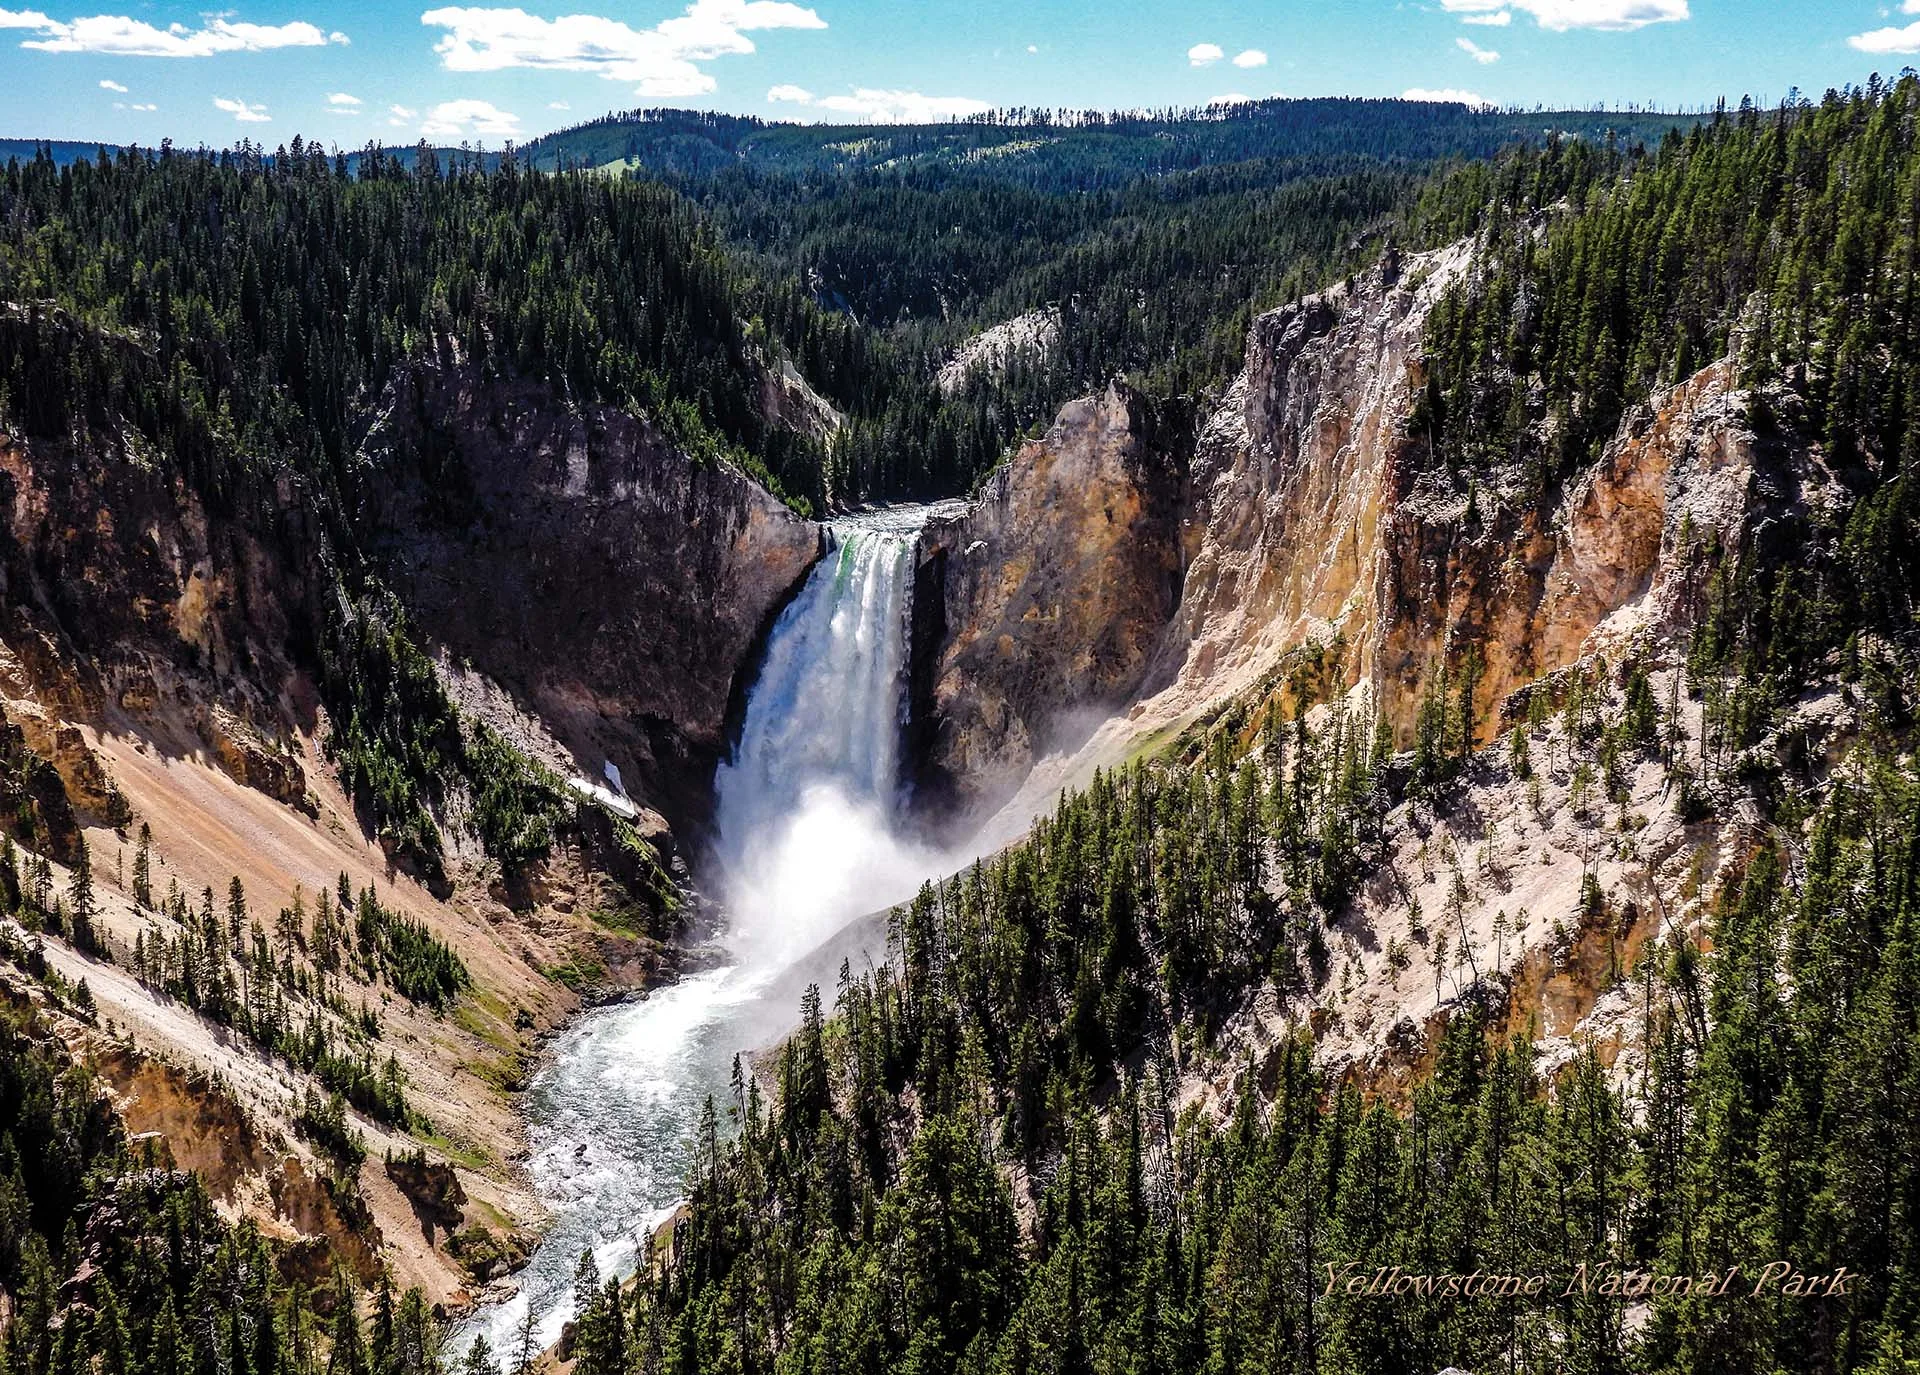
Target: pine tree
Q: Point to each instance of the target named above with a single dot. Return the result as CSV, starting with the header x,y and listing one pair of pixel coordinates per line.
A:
x,y
80,902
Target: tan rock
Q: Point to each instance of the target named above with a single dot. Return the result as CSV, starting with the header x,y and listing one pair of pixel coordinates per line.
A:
x,y
1053,586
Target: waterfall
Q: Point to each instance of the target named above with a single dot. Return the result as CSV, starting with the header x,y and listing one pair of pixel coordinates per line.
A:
x,y
806,805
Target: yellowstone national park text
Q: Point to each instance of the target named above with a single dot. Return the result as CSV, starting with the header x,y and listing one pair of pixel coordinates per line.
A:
x,y
1775,1277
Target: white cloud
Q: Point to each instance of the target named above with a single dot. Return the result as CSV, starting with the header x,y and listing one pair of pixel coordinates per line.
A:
x,y
460,118
795,95
1205,54
113,86
1230,98
120,36
558,105
1446,96
242,111
1889,40
1033,47
1484,56
146,108
902,107
661,61
1252,57
1499,19
340,100
1561,15
337,37
399,116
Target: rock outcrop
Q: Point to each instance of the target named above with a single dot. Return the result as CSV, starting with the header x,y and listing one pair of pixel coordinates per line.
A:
x,y
1314,512
1298,478
615,585
1052,590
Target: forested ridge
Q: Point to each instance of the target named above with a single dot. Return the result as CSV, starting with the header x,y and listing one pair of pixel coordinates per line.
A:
x,y
294,281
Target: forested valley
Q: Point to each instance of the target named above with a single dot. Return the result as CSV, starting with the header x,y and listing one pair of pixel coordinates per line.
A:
x,y
1018,1145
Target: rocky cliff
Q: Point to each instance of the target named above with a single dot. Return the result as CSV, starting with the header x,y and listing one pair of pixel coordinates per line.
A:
x,y
1051,590
1314,512
1316,548
583,585
616,587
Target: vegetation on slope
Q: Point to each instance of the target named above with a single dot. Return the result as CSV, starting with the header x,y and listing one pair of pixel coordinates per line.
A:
x,y
979,1162
1786,238
113,1261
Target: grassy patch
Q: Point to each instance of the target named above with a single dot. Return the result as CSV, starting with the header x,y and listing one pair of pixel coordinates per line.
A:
x,y
578,973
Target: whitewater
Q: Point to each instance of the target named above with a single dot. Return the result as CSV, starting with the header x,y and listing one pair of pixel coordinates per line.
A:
x,y
808,807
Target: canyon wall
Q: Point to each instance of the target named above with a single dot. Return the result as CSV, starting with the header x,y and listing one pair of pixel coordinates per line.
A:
x,y
1050,592
588,588
615,586
1312,512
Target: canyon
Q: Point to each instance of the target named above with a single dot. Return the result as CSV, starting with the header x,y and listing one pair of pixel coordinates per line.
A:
x,y
604,601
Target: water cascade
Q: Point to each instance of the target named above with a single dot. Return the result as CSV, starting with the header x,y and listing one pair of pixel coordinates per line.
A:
x,y
807,841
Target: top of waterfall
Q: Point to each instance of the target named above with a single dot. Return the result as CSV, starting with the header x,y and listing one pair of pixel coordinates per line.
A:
x,y
897,520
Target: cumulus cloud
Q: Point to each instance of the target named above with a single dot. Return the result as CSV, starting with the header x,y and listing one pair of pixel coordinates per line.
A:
x,y
1561,15
1252,57
901,107
461,118
882,106
661,61
1033,47
340,100
113,86
1483,56
242,111
121,36
399,116
558,105
1205,54
1446,96
1890,40
1499,19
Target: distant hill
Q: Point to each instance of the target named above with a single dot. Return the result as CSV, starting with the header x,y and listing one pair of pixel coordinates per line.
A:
x,y
64,151
1083,151
1048,150
68,151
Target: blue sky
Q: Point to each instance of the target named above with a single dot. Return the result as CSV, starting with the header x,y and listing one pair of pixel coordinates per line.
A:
x,y
345,72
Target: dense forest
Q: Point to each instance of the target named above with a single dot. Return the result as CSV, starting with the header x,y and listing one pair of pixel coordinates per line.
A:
x,y
1036,1026
982,1156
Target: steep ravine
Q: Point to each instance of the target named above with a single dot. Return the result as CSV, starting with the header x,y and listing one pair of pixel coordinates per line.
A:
x,y
589,590
1313,537
1107,586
